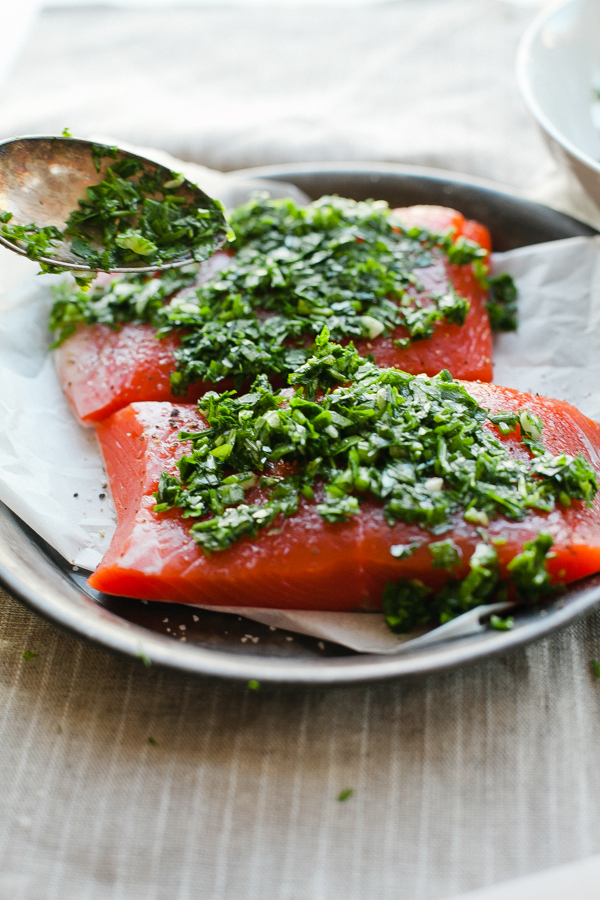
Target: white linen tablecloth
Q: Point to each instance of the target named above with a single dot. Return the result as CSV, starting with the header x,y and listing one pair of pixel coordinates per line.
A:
x,y
460,780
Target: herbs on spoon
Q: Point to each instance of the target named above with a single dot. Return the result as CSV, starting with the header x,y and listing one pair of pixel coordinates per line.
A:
x,y
137,214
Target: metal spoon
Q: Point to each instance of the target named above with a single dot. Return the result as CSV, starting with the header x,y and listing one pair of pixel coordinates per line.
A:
x,y
41,179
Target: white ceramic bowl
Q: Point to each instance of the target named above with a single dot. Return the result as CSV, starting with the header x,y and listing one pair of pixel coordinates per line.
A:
x,y
558,68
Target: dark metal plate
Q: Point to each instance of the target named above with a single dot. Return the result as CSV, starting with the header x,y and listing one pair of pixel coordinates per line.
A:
x,y
217,644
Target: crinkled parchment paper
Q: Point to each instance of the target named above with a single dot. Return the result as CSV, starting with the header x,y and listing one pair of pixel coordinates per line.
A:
x,y
51,472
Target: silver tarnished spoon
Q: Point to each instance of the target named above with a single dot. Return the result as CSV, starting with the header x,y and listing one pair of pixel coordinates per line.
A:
x,y
43,178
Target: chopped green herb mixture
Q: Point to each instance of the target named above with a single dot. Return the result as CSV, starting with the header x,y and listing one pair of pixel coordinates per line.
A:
x,y
500,623
134,214
347,264
502,303
352,429
135,298
144,658
445,554
409,604
39,241
142,216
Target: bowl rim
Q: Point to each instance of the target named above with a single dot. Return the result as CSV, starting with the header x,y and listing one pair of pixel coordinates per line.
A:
x,y
528,94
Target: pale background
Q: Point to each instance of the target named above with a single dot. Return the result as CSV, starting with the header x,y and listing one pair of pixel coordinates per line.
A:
x,y
460,780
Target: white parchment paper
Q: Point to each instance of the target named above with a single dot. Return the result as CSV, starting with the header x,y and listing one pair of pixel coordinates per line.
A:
x,y
51,472
556,350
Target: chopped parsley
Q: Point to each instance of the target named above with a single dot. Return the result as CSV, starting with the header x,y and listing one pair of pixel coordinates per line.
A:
x,y
345,794
132,298
500,623
337,262
143,656
349,265
445,554
595,667
528,570
100,152
39,241
408,604
137,216
29,654
502,303
134,215
352,429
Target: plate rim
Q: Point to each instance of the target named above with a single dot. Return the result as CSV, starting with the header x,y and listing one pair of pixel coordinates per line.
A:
x,y
101,626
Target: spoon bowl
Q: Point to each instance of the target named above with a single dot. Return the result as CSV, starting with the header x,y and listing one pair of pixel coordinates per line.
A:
x,y
42,178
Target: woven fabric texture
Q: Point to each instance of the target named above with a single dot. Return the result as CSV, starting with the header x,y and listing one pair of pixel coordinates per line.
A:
x,y
430,82
119,782
459,780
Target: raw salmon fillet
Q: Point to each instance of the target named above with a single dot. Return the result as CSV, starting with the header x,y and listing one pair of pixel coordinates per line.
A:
x,y
304,562
102,370
465,350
